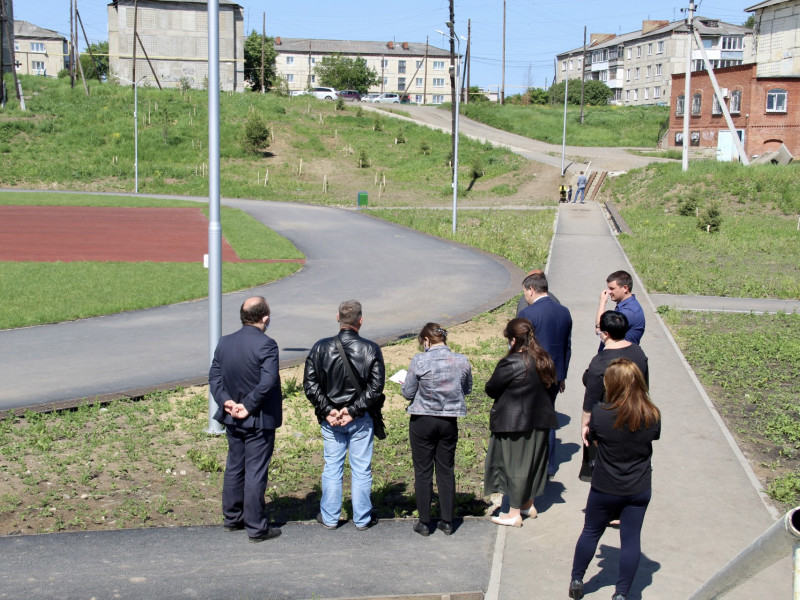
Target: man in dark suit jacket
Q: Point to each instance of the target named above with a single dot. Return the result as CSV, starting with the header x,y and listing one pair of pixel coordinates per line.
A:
x,y
552,325
246,386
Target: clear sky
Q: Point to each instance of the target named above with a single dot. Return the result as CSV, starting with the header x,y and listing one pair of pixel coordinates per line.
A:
x,y
535,31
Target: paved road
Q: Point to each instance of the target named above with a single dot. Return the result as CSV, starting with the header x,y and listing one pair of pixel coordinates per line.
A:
x,y
402,277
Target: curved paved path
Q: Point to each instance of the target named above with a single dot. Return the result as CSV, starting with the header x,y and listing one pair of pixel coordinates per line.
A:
x,y
402,277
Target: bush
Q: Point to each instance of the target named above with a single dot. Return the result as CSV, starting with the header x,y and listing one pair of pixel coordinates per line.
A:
x,y
477,169
710,219
687,206
424,147
340,104
256,133
377,125
363,161
401,138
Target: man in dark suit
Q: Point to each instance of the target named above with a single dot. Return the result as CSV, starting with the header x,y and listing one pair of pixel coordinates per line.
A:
x,y
552,325
246,386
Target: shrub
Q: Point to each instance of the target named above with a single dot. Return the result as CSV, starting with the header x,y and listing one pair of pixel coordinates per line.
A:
x,y
401,138
340,104
424,147
359,112
363,161
185,84
256,133
377,125
710,219
687,205
476,168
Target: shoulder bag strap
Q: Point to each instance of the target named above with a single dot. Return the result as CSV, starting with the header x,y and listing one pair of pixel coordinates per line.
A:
x,y
347,366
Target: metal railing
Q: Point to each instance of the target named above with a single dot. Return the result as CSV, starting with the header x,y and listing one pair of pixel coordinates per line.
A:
x,y
775,543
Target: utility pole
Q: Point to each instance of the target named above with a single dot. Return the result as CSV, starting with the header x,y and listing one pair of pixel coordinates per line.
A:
x,y
263,42
687,88
71,45
503,80
135,35
425,76
8,14
453,76
583,71
468,60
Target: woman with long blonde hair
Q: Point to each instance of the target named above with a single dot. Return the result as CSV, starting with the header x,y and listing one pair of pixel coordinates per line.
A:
x,y
623,429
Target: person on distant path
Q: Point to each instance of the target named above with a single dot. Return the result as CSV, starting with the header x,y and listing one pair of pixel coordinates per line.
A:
x,y
613,326
520,419
569,193
552,325
581,191
623,429
437,382
522,303
620,290
344,413
246,385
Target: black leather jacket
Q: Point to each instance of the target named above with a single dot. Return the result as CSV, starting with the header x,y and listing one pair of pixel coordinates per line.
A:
x,y
521,402
327,384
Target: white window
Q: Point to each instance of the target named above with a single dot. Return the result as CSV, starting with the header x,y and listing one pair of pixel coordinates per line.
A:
x,y
419,64
313,60
289,78
38,67
16,46
635,95
776,100
647,93
680,102
650,49
401,66
638,52
697,104
732,43
563,65
418,82
603,76
658,70
636,73
708,43
660,48
313,79
438,82
385,81
657,92
736,102
628,75
627,95
438,98
37,47
649,70
628,54
290,60
418,98
438,65
384,63
580,63
401,84
716,109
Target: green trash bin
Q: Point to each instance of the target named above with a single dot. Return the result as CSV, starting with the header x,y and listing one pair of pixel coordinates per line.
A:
x,y
362,200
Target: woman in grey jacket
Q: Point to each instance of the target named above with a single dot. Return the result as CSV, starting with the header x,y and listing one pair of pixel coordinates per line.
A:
x,y
520,422
436,383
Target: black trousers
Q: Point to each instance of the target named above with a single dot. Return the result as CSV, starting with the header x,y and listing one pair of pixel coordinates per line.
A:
x,y
433,441
245,481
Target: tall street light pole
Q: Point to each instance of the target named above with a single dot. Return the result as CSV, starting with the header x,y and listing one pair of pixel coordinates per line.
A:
x,y
457,39
135,128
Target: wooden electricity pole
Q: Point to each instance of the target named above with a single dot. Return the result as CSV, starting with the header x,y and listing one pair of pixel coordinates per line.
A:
x,y
503,83
263,42
467,61
583,70
453,76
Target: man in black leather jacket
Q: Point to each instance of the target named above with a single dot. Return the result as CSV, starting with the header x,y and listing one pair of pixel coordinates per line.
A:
x,y
343,413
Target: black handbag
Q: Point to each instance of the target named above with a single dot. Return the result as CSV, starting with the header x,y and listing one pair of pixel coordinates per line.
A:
x,y
379,428
587,464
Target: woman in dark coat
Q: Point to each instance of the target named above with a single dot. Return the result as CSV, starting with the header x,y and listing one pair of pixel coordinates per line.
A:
x,y
623,428
520,422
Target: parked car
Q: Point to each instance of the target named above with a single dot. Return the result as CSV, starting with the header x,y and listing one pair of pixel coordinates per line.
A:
x,y
295,93
370,97
324,93
387,99
349,95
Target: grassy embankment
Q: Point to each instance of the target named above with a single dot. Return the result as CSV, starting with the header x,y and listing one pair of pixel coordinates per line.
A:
x,y
747,363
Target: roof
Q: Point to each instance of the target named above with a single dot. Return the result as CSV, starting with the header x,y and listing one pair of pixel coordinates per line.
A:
x,y
23,29
765,4
203,2
702,24
350,47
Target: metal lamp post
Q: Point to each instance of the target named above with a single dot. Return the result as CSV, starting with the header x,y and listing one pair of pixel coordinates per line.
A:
x,y
455,123
135,128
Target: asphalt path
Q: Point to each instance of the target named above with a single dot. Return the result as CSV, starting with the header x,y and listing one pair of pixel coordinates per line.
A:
x,y
307,561
402,277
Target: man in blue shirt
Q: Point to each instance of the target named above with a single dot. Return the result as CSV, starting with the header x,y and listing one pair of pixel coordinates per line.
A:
x,y
619,289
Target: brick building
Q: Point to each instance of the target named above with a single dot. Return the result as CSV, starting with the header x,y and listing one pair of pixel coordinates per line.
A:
x,y
764,110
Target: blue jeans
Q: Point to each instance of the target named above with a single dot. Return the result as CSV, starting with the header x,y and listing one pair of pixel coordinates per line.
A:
x,y
357,437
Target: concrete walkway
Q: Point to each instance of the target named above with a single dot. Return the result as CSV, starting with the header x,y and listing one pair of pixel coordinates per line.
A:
x,y
705,506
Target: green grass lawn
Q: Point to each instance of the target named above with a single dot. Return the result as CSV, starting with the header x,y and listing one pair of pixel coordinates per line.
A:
x,y
40,292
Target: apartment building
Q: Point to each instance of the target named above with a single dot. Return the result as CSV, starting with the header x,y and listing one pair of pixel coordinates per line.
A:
x,y
638,66
38,51
174,36
419,70
776,27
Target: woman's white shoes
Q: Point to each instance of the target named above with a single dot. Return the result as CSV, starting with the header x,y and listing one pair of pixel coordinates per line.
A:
x,y
508,521
529,512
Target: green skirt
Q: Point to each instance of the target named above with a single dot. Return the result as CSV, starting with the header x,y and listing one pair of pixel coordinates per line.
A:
x,y
516,465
